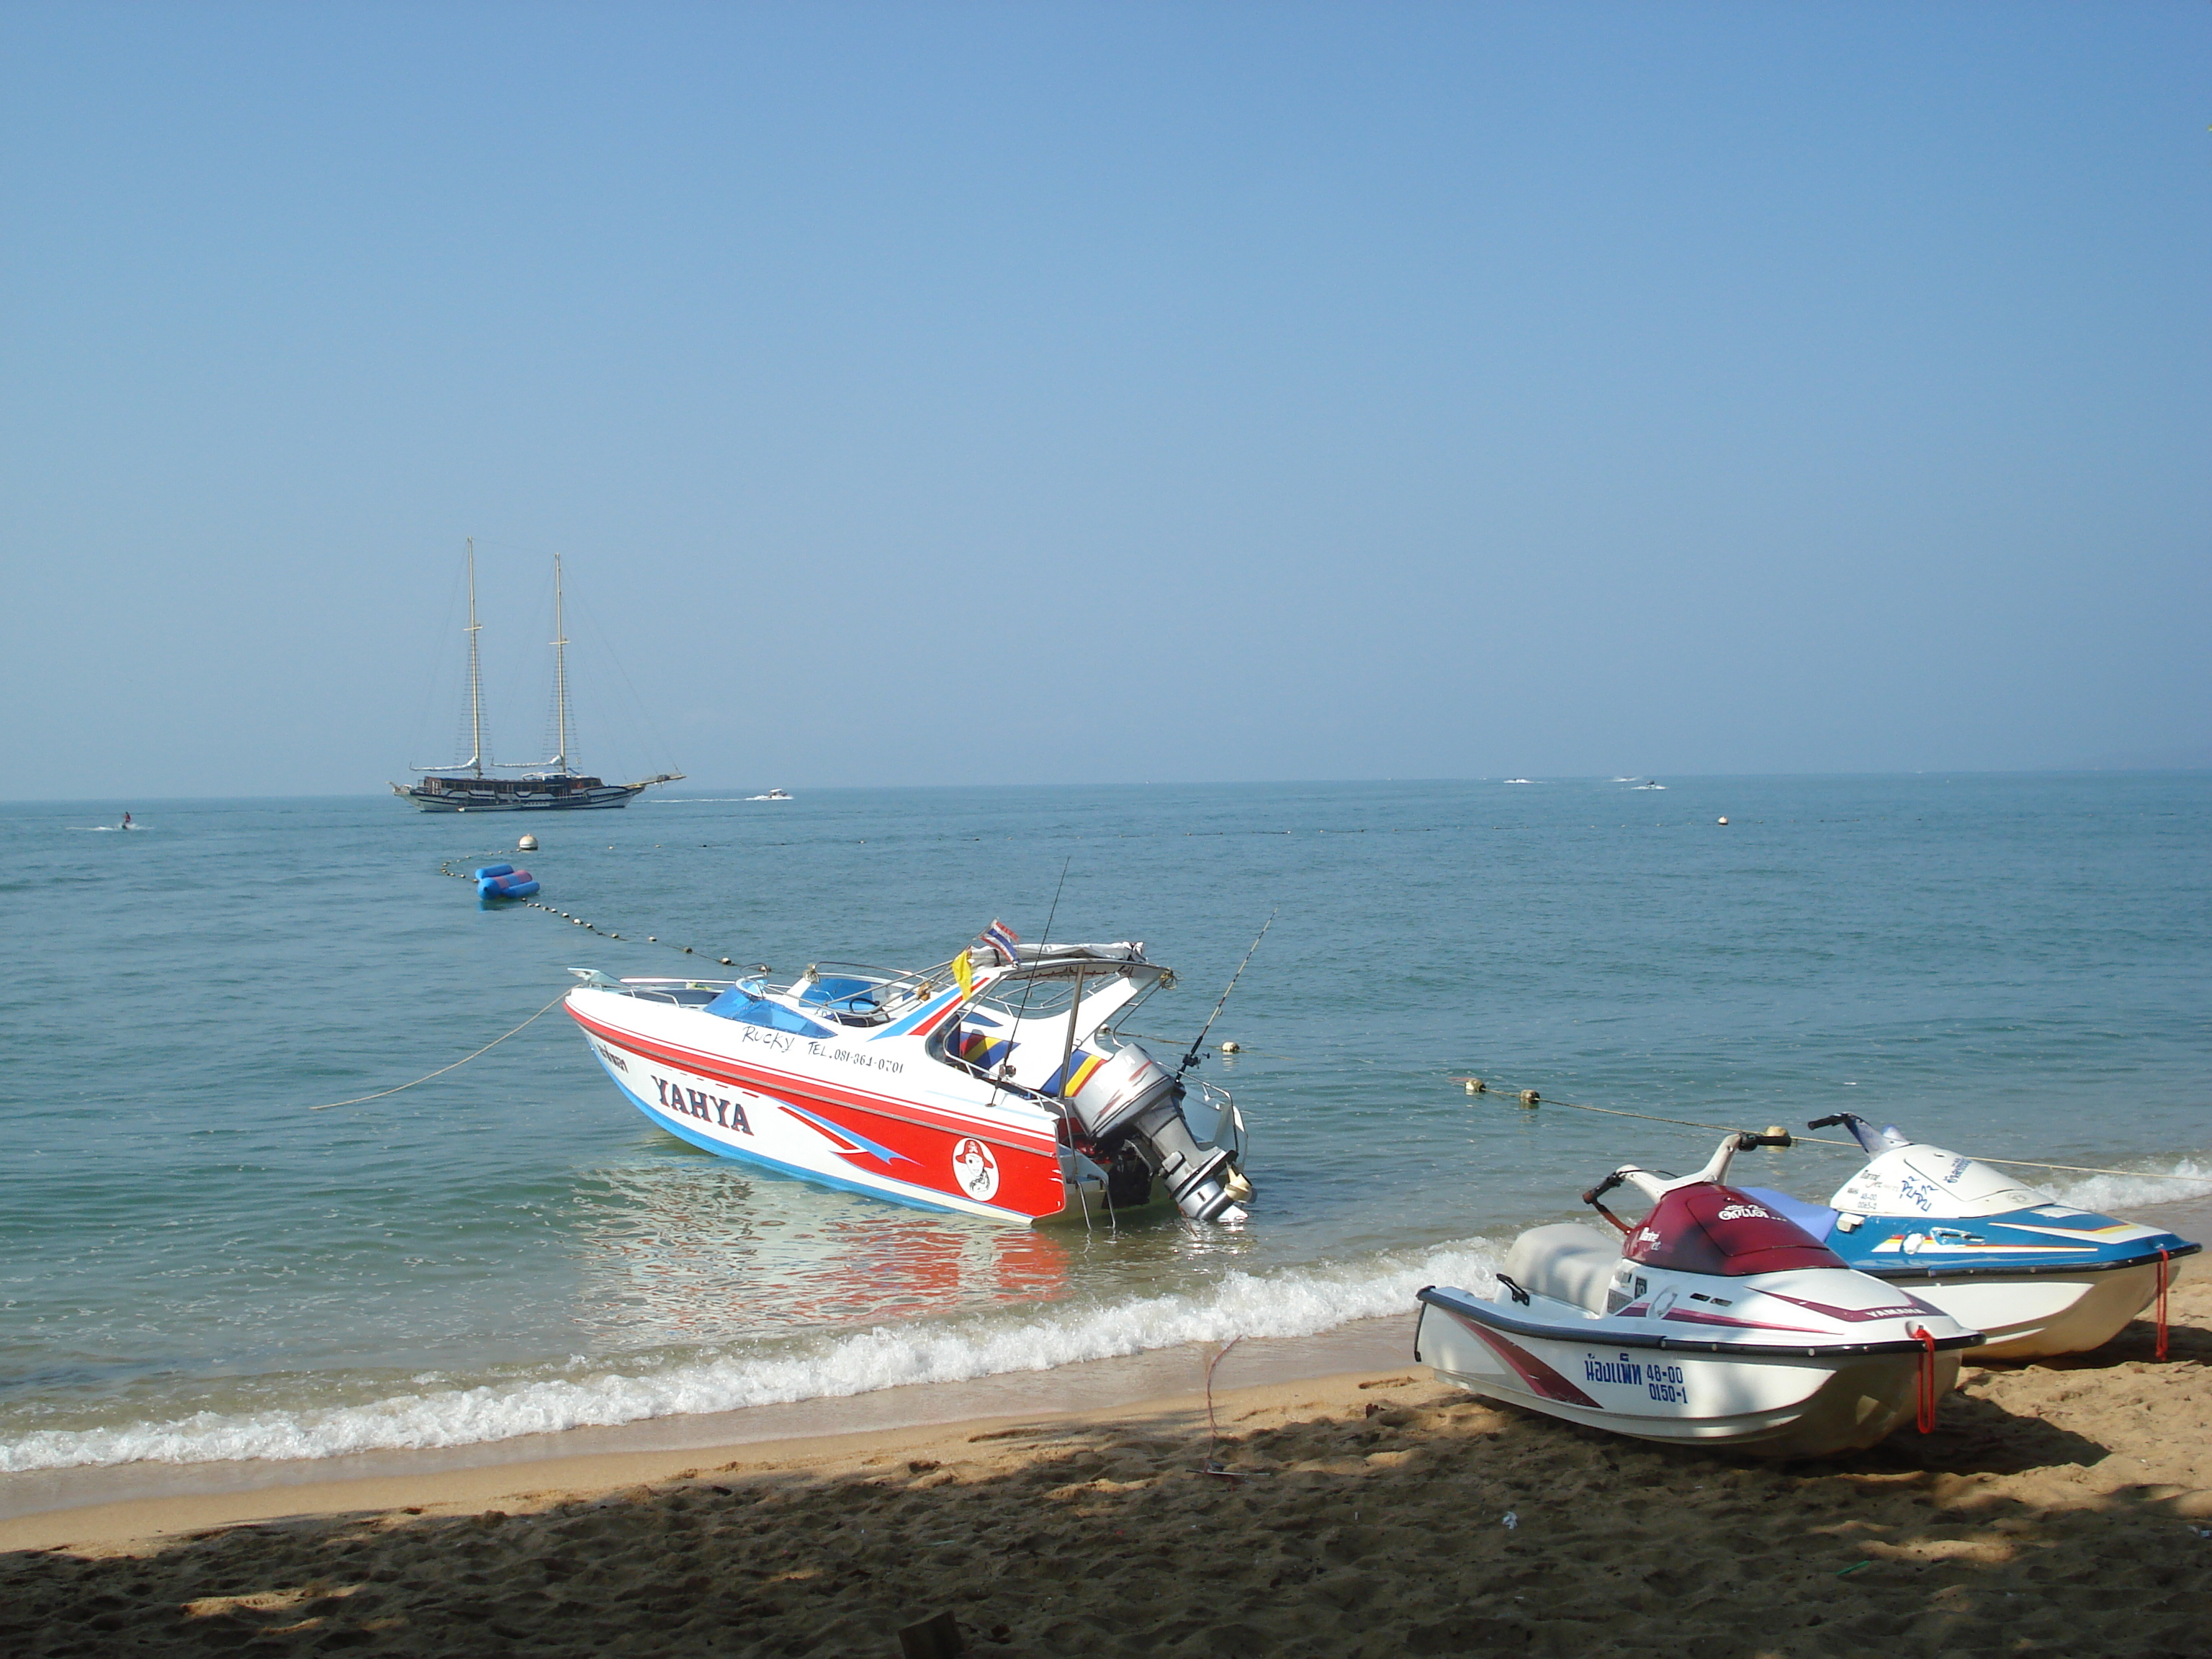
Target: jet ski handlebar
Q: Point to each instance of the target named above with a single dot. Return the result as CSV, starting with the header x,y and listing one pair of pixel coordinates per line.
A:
x,y
1605,1186
1656,1184
1871,1139
1595,1195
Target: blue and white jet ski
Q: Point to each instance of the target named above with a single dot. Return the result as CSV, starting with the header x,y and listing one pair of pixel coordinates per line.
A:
x,y
2038,1277
1714,1321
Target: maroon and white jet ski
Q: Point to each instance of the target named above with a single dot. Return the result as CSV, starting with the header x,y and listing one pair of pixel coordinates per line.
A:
x,y
1713,1321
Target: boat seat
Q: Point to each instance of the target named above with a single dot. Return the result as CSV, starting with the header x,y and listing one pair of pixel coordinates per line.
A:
x,y
1567,1261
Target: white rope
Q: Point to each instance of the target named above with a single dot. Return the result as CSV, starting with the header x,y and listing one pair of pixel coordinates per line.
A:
x,y
456,1066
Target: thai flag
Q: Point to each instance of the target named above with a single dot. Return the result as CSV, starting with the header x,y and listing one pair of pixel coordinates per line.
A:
x,y
1003,939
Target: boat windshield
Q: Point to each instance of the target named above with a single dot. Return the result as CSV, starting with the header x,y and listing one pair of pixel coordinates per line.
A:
x,y
739,1004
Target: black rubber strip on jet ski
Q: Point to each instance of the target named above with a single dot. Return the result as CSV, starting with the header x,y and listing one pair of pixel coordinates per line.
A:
x,y
2024,1270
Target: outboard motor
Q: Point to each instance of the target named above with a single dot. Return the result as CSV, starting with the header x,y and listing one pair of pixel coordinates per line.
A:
x,y
1130,1092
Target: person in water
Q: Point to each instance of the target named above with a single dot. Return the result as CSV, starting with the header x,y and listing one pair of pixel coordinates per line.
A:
x,y
126,820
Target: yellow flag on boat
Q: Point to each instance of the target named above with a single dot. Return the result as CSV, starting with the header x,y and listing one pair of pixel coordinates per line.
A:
x,y
965,974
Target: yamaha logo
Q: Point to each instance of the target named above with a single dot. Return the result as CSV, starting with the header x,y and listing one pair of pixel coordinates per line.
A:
x,y
1743,1213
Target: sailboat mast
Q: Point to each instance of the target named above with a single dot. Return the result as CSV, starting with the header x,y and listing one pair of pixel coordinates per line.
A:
x,y
560,676
475,672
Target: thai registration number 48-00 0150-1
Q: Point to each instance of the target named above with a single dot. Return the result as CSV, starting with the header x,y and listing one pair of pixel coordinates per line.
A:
x,y
1662,1382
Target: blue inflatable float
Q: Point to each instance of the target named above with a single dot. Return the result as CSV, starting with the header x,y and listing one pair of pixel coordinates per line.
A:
x,y
505,881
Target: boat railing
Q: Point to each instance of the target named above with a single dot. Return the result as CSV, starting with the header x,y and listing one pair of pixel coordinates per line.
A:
x,y
682,993
854,987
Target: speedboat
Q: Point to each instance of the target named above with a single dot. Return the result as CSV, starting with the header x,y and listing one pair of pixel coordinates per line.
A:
x,y
2038,1277
994,1084
1714,1321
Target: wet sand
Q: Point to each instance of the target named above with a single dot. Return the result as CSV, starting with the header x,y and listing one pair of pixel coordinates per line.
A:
x,y
2058,1509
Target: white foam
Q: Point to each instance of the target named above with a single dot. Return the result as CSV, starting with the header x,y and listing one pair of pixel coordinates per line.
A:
x,y
1289,1304
2178,1181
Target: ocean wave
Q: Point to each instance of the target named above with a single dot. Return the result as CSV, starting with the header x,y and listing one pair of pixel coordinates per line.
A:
x,y
1301,1302
2115,1194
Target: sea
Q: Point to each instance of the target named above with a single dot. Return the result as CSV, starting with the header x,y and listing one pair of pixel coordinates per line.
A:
x,y
227,1232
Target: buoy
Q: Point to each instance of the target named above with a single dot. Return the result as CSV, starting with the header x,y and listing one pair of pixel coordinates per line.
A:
x,y
725,962
1233,1047
1530,1097
527,844
1776,1129
1476,1085
1723,820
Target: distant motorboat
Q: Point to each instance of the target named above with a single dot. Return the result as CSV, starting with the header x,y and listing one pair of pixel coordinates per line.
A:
x,y
546,786
773,794
1519,780
1648,783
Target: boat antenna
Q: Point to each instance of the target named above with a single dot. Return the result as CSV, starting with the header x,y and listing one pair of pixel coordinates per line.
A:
x,y
1198,1042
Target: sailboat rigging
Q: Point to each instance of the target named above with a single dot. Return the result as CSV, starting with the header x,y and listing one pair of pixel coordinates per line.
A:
x,y
552,785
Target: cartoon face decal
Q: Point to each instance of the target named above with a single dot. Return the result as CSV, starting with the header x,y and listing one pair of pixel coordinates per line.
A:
x,y
976,1169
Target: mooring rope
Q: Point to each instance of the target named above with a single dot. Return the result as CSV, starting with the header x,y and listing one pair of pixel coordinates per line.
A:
x,y
359,1099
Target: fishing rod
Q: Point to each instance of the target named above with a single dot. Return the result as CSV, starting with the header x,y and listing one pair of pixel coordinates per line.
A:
x,y
1198,1041
1030,985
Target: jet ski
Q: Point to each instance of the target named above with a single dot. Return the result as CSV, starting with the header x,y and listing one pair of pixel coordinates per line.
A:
x,y
2038,1277
1715,1321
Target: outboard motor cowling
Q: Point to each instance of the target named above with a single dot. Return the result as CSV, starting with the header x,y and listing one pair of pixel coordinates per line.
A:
x,y
1120,1088
1129,1092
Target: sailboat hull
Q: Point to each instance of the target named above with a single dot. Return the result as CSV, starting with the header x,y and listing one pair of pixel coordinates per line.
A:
x,y
521,800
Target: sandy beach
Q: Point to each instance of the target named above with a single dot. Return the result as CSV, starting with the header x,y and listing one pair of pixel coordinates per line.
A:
x,y
2061,1507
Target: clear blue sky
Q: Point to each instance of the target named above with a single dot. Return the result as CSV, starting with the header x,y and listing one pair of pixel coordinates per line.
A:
x,y
1034,393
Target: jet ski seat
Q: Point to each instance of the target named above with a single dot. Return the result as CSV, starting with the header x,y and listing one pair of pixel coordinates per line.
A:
x,y
1567,1261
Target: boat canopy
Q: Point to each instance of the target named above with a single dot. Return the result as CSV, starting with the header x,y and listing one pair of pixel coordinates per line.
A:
x,y
1126,952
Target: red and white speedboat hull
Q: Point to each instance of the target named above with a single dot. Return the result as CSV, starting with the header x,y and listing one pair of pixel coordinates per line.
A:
x,y
997,1091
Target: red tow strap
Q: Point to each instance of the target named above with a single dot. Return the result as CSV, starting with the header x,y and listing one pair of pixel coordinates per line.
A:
x,y
1927,1377
2161,1303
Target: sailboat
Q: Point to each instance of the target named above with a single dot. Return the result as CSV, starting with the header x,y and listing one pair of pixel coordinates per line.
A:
x,y
545,786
